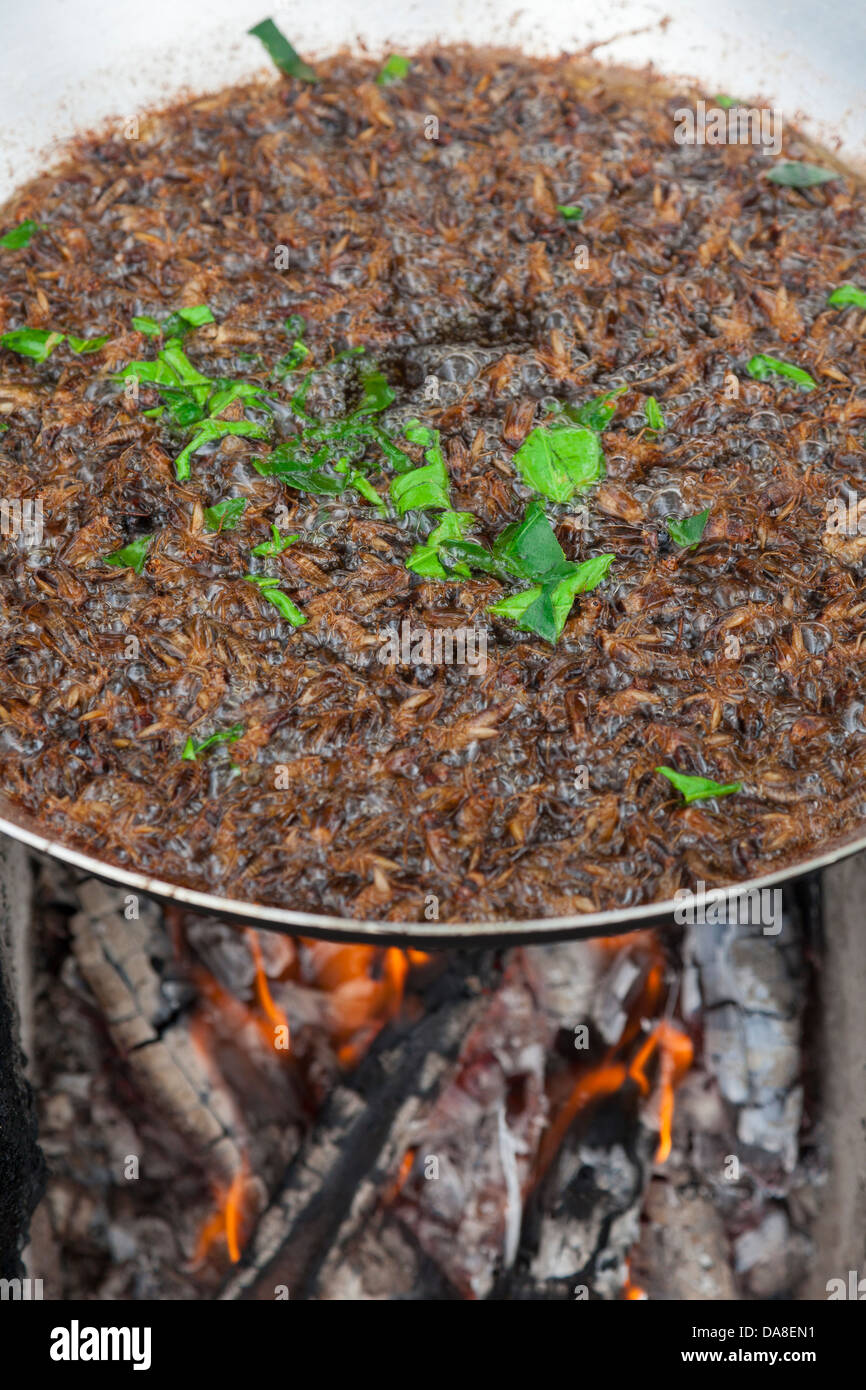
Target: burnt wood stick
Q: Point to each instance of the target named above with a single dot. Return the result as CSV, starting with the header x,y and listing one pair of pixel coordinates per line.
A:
x,y
337,1177
22,1167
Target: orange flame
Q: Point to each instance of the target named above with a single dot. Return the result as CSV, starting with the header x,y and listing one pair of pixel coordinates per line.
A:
x,y
272,1011
225,1221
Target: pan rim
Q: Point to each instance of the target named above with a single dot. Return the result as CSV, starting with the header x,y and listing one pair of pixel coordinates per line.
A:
x,y
610,922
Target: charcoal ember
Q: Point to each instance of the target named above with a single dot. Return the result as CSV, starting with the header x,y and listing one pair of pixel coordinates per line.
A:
x,y
683,1253
226,953
772,1256
462,1201
585,1233
749,983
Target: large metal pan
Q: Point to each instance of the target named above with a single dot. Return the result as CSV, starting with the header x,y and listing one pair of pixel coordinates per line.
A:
x,y
68,67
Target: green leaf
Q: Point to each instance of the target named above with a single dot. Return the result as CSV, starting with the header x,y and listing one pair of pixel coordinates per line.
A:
x,y
268,586
597,413
697,788
377,393
37,343
277,545
292,462
687,533
654,418
85,345
427,486
794,174
20,235
281,52
214,429
529,548
571,212
394,70
560,461
761,367
191,748
848,294
544,609
725,102
183,321
416,433
143,323
225,515
131,556
424,559
357,480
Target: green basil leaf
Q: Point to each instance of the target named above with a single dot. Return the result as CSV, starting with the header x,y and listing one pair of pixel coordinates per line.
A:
x,y
281,52
427,486
761,367
85,345
131,556
687,533
191,748
424,559
725,102
210,430
848,294
268,586
143,323
529,548
394,70
20,236
571,212
794,174
597,413
560,461
696,788
37,343
377,393
225,515
654,418
277,545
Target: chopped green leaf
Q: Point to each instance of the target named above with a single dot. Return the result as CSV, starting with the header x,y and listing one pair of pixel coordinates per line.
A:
x,y
394,70
544,609
20,235
696,788
182,321
377,393
37,343
529,548
795,174
214,429
225,515
597,413
654,418
143,323
416,433
761,367
191,748
277,545
424,560
268,586
725,102
847,294
84,345
560,461
281,52
131,556
571,212
687,533
427,486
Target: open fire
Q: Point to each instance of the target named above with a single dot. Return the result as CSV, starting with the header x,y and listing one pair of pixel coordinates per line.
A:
x,y
239,1115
